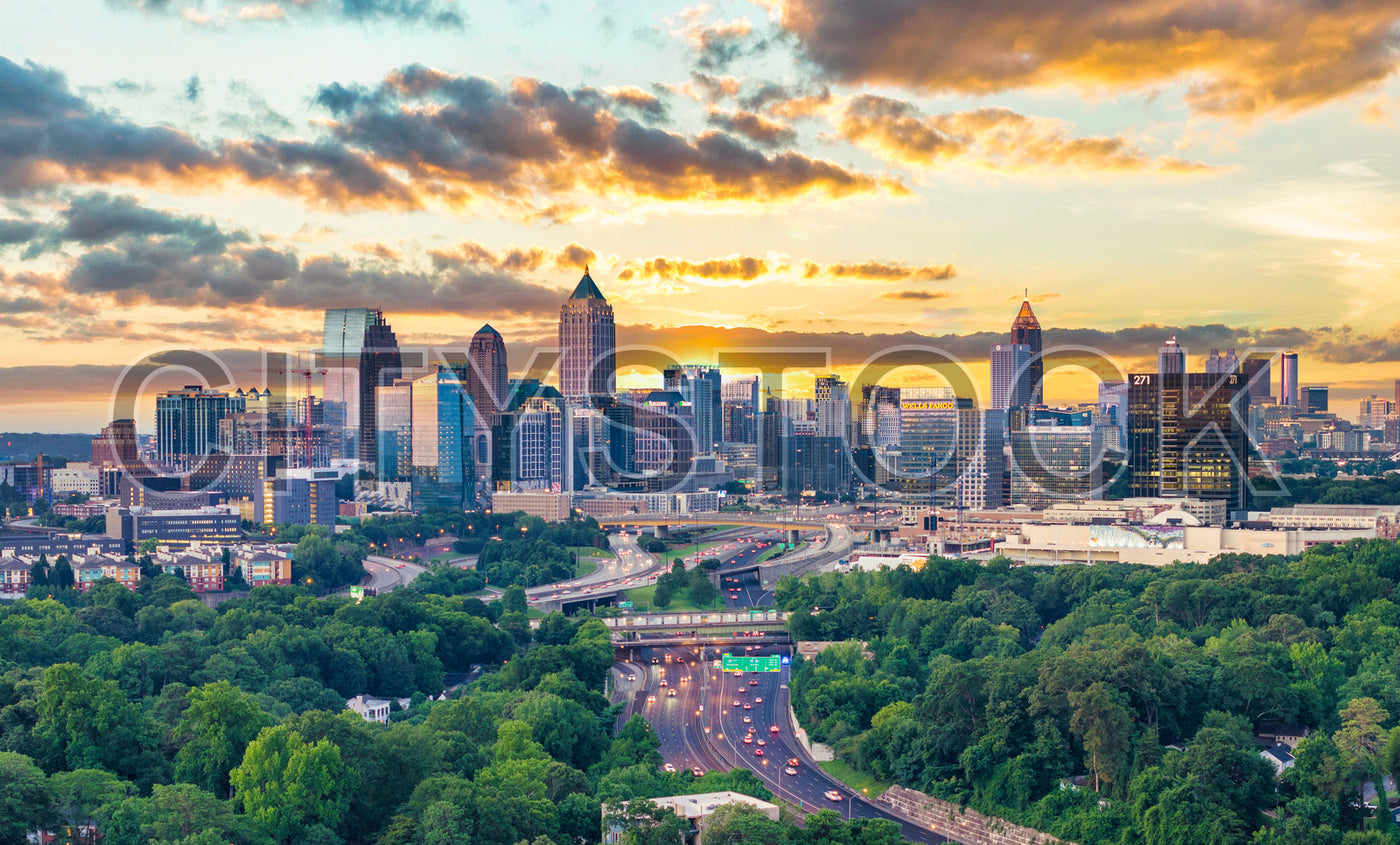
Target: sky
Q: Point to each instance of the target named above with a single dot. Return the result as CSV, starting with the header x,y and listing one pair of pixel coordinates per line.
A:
x,y
844,176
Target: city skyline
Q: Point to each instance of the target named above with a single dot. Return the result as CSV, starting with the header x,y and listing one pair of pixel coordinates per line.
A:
x,y
215,175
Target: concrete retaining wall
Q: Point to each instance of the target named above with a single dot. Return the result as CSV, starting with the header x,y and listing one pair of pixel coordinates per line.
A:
x,y
961,825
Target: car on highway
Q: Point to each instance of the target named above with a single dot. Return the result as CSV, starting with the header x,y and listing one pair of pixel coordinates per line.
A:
x,y
631,677
737,702
670,693
650,699
792,761
747,720
790,771
758,752
697,771
748,706
753,683
763,742
669,767
772,729
832,795
748,740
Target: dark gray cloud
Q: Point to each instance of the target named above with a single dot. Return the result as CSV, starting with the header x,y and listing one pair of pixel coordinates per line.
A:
x,y
757,128
1237,57
18,231
193,89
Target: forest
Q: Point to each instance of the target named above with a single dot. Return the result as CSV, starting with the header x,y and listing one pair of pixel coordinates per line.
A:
x,y
1116,703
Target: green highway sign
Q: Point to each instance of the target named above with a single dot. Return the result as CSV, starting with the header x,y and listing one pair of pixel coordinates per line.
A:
x,y
624,604
738,663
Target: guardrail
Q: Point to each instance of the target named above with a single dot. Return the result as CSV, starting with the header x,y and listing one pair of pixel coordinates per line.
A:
x,y
672,620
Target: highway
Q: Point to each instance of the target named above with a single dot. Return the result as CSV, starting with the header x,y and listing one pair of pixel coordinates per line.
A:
x,y
387,573
701,727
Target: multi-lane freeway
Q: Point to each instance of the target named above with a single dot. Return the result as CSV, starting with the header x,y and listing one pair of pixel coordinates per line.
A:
x,y
708,719
387,573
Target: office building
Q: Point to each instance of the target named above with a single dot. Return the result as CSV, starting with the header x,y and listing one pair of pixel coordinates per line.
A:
x,y
702,388
745,391
443,423
60,544
179,528
486,375
665,440
115,447
1171,359
1258,375
1288,380
1011,377
815,464
187,423
528,439
361,354
1217,364
303,496
1055,463
1314,400
394,405
587,343
981,463
1025,330
832,407
1187,436
1374,411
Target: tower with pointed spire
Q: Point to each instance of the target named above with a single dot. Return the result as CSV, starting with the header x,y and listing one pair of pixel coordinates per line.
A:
x,y
587,343
1025,329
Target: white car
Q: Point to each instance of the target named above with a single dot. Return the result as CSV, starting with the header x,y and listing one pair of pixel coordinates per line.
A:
x,y
832,795
669,767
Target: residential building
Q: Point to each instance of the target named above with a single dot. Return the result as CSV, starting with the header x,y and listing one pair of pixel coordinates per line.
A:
x,y
702,388
90,569
587,343
832,407
369,708
115,447
303,496
187,423
1374,411
202,567
262,566
14,577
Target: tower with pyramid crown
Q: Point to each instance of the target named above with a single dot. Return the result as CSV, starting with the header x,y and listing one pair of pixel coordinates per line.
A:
x,y
587,343
1026,329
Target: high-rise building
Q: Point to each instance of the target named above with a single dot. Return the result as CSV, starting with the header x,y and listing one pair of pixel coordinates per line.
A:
x,y
1011,380
703,389
443,422
981,462
115,447
187,422
1397,393
815,463
394,405
1374,412
360,354
1217,364
833,407
1314,399
1258,374
1113,412
488,376
1171,360
1025,329
587,343
1055,463
1188,436
665,440
928,438
1288,380
529,440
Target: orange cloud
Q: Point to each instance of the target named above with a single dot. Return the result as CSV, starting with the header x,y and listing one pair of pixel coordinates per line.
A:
x,y
1239,58
991,138
880,271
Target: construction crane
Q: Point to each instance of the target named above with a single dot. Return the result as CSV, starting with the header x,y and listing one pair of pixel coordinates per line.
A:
x,y
306,372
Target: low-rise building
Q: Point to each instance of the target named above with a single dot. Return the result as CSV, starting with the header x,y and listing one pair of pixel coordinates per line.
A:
x,y
14,577
218,524
201,566
369,708
1158,544
696,809
60,544
89,570
264,565
551,507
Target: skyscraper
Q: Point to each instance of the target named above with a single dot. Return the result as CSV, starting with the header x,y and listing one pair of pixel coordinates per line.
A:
x,y
1187,436
1171,360
1258,375
488,376
187,422
587,343
833,406
1288,380
443,420
1052,463
1011,384
1314,399
361,354
1025,329
703,389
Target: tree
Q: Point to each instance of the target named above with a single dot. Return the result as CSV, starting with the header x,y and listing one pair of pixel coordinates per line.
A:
x,y
1103,724
24,800
220,722
662,595
742,824
289,786
514,599
80,795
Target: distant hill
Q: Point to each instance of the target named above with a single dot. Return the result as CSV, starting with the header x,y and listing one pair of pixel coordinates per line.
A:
x,y
21,446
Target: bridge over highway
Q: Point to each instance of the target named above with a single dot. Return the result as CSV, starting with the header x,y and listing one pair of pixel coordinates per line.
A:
x,y
663,523
745,627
